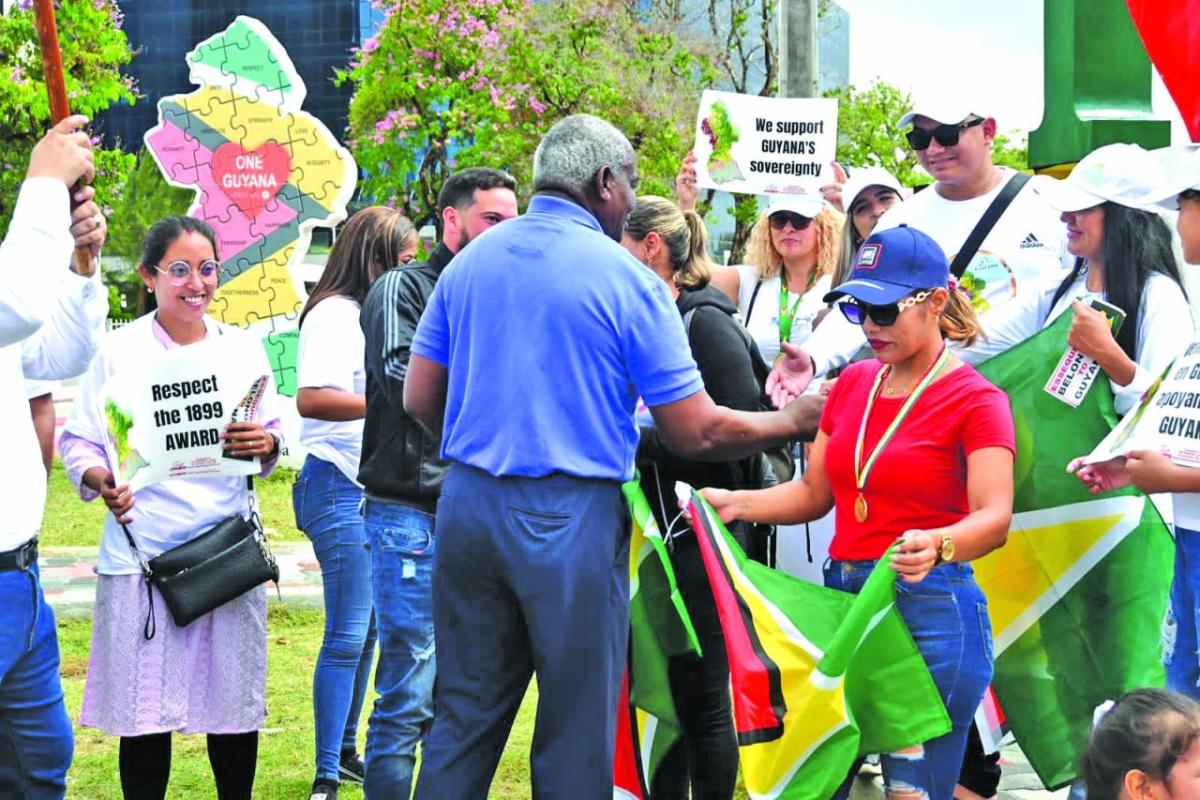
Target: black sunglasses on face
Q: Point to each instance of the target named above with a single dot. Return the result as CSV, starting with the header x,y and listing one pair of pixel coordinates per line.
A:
x,y
885,315
780,219
946,135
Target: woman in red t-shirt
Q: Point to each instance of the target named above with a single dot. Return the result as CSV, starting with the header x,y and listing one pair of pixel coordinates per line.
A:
x,y
914,446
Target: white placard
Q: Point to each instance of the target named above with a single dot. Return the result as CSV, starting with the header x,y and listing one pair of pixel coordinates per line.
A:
x,y
165,418
764,145
1166,420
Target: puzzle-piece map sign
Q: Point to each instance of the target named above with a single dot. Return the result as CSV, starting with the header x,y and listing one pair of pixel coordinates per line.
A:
x,y
265,174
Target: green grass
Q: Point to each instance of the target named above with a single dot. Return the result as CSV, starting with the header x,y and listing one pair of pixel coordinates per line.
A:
x,y
285,757
72,523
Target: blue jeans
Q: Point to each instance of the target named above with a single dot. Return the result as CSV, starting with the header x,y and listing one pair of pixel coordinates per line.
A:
x,y
36,742
946,613
327,506
532,576
1180,647
401,539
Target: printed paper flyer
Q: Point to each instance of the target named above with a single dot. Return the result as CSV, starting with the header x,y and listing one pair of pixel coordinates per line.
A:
x,y
165,419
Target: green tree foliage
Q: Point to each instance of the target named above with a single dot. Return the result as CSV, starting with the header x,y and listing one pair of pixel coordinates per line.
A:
x,y
869,134
147,198
477,82
94,48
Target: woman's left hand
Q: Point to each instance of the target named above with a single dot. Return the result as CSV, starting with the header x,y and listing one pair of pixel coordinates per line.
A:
x,y
1091,333
916,554
248,439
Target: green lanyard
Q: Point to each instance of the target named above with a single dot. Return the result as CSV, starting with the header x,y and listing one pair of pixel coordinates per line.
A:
x,y
786,314
862,471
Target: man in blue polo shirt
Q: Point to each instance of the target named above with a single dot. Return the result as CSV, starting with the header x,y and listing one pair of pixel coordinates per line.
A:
x,y
534,348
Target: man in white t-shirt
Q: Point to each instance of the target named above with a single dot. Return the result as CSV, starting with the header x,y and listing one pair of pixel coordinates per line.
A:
x,y
1025,248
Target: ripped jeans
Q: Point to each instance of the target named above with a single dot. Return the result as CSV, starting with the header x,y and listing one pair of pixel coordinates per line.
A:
x,y
946,614
401,542
1179,640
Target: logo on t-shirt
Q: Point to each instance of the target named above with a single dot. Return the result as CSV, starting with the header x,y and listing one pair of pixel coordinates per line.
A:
x,y
868,256
1031,241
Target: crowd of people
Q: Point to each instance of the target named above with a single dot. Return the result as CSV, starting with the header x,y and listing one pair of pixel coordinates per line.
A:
x,y
486,400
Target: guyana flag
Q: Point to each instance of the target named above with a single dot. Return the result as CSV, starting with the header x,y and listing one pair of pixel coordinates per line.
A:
x,y
819,676
1078,593
647,725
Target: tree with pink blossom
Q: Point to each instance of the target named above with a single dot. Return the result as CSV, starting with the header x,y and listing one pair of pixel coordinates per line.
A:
x,y
453,83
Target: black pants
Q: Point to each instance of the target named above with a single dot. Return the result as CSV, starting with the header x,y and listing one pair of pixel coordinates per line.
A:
x,y
145,763
707,755
980,771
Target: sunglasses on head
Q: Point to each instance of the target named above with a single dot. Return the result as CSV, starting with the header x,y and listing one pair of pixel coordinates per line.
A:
x,y
885,315
946,135
780,219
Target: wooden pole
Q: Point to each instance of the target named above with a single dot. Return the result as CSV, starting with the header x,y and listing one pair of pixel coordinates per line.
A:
x,y
52,70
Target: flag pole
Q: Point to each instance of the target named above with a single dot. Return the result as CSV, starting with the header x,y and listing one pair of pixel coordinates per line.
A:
x,y
52,71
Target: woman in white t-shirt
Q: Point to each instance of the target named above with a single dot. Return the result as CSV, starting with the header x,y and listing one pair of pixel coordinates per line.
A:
x,y
790,259
326,496
1124,257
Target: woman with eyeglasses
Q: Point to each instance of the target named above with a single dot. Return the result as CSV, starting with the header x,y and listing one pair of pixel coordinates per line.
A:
x,y
913,410
326,496
209,677
1124,257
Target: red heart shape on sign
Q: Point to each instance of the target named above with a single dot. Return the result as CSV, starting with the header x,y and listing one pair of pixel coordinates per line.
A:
x,y
1170,30
251,178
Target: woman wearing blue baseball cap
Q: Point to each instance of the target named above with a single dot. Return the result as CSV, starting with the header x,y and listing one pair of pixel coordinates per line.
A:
x,y
913,410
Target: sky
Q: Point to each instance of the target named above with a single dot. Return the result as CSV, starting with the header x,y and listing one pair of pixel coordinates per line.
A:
x,y
985,49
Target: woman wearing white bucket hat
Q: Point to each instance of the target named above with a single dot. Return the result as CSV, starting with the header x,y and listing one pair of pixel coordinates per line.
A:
x,y
1123,257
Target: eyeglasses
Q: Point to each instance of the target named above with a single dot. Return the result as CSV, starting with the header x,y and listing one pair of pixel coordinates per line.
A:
x,y
780,219
178,272
885,315
946,135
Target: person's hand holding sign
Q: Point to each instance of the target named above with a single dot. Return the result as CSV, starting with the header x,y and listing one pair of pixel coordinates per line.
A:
x,y
119,499
687,192
249,439
1091,334
832,191
1104,476
792,374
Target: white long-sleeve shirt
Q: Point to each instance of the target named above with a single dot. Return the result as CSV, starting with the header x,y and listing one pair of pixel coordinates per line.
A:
x,y
1165,328
1027,246
47,332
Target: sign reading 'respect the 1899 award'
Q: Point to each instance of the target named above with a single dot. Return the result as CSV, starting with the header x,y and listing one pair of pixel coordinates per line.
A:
x,y
764,145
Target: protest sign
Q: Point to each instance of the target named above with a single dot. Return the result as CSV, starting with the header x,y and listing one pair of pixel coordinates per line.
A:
x,y
1076,372
1166,420
764,145
165,419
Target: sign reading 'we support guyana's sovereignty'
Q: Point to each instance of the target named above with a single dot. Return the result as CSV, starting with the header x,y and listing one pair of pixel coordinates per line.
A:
x,y
166,419
1166,420
764,145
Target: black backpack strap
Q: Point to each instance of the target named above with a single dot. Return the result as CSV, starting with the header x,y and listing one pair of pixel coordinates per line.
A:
x,y
986,223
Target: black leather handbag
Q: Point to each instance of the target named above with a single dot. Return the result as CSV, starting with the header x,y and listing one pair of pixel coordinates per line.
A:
x,y
202,574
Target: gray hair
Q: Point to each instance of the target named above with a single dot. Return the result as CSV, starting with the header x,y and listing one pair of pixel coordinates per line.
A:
x,y
575,149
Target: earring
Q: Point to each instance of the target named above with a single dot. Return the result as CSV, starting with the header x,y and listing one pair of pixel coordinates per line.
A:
x,y
150,289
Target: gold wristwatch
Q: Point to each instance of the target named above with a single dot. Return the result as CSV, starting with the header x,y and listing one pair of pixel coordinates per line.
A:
x,y
945,550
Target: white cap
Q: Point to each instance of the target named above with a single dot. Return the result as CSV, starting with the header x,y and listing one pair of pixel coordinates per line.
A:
x,y
1179,170
862,178
804,203
944,112
1120,173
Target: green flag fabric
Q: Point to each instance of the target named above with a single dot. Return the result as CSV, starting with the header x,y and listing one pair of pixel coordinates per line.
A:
x,y
819,676
1077,595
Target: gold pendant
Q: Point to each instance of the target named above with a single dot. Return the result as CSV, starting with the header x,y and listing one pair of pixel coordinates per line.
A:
x,y
860,508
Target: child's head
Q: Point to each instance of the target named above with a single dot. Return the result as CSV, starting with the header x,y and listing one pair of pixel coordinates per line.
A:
x,y
1147,747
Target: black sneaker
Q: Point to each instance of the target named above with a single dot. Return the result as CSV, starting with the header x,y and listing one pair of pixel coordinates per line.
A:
x,y
351,768
324,789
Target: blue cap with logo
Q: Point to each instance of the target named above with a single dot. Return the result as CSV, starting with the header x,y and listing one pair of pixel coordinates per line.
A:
x,y
893,264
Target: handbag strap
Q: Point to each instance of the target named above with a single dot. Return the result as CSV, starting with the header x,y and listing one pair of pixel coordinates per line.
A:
x,y
986,223
753,297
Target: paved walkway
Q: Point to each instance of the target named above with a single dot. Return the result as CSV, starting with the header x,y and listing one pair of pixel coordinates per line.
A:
x,y
70,585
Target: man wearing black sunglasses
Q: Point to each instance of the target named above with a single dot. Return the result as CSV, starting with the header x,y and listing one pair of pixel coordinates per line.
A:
x,y
1024,246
